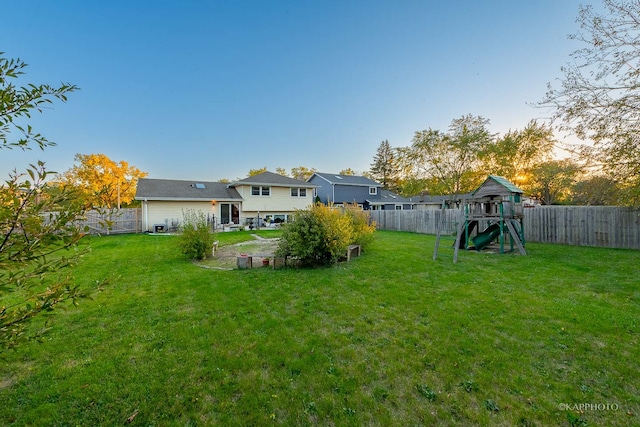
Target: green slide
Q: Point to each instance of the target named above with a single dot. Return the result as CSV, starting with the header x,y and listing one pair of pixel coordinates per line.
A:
x,y
487,236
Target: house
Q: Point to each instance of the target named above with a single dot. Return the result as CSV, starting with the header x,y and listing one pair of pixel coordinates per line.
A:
x,y
368,194
164,200
342,189
273,197
268,196
388,200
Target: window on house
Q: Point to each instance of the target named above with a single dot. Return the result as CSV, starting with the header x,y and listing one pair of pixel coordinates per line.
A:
x,y
398,207
298,192
257,190
373,190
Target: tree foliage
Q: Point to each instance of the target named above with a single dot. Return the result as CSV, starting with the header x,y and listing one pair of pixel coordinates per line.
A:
x,y
599,98
597,190
516,154
553,181
39,239
101,181
384,168
451,160
254,172
302,173
18,103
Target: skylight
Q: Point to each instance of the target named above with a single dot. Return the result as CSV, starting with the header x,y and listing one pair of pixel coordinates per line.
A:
x,y
337,176
199,185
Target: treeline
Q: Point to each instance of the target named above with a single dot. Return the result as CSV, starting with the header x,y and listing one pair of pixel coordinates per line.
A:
x,y
458,160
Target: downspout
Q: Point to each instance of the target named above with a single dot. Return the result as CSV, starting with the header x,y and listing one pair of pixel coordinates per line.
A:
x,y
146,214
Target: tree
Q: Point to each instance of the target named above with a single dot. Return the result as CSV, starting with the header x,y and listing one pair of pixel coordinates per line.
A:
x,y
254,172
552,181
451,159
596,190
347,171
517,153
384,168
40,239
302,173
282,171
19,103
101,181
599,97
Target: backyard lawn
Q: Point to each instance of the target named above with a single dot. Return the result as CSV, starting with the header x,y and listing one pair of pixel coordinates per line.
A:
x,y
392,338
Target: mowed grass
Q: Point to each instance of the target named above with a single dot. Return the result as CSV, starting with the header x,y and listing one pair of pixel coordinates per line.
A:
x,y
392,338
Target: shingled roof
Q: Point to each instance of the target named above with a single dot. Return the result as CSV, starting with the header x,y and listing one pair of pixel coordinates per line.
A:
x,y
272,179
338,179
169,189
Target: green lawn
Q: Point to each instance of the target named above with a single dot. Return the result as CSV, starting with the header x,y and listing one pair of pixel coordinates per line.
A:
x,y
391,339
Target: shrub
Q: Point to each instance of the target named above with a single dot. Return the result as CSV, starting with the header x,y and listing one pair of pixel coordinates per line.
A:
x,y
362,228
321,234
196,239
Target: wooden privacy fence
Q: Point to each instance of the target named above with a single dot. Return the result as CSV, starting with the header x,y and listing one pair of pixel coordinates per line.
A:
x,y
602,226
116,221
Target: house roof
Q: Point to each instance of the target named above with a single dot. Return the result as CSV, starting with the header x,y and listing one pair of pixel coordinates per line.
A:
x,y
338,179
511,187
169,189
387,197
272,179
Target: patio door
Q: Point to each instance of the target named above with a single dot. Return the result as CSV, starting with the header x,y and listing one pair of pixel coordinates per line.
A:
x,y
229,213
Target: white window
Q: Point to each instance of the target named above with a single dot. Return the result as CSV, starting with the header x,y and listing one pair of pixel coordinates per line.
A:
x,y
398,207
373,190
257,190
298,192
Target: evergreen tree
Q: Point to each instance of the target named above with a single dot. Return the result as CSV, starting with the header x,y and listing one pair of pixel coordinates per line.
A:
x,y
384,169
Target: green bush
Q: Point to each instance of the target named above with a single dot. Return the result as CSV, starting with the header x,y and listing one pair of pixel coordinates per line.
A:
x,y
321,234
362,228
196,239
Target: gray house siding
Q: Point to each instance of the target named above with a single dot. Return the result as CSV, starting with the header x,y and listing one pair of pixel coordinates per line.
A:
x,y
341,193
349,194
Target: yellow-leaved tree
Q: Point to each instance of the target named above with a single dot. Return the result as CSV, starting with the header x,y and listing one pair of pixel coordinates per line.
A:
x,y
101,181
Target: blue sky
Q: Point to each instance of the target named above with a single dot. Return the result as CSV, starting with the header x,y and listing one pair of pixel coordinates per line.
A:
x,y
206,90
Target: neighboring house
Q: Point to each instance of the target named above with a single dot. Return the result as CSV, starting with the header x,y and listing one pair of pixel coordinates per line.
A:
x,y
273,197
388,200
343,189
268,196
368,194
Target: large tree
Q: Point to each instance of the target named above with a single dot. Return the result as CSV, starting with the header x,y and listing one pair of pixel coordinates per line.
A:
x,y
38,234
384,168
553,181
102,182
599,94
518,152
596,190
450,160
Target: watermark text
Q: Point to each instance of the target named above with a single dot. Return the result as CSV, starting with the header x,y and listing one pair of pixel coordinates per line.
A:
x,y
585,407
